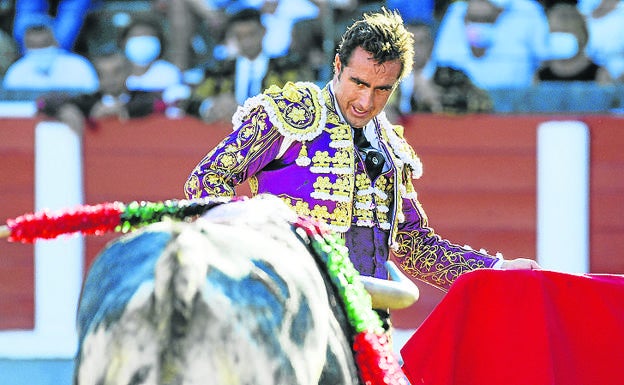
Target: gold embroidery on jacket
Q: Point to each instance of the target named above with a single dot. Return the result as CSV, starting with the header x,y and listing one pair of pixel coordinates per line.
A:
x,y
298,109
338,219
226,165
373,203
431,263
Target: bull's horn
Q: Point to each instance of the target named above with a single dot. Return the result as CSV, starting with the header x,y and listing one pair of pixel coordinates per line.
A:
x,y
397,293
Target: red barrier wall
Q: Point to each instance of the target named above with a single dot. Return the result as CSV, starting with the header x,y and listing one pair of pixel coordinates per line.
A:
x,y
16,197
478,187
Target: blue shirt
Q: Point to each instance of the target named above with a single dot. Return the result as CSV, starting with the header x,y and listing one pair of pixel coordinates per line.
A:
x,y
49,69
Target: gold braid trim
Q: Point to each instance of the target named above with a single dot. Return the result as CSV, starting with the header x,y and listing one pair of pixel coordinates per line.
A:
x,y
433,263
402,150
296,110
226,166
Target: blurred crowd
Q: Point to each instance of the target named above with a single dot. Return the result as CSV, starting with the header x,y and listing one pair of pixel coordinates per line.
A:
x,y
97,58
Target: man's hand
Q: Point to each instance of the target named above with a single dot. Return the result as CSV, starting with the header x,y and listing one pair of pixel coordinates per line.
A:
x,y
520,264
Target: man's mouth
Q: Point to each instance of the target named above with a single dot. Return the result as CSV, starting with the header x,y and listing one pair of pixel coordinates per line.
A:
x,y
358,112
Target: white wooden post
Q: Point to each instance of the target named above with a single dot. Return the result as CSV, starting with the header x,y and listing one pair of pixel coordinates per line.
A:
x,y
563,196
59,262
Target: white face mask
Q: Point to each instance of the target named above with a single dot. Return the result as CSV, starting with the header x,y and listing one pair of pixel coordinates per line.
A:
x,y
480,35
142,50
43,58
561,45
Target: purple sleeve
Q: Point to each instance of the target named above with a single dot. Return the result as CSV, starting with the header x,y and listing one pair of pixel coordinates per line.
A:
x,y
242,154
427,257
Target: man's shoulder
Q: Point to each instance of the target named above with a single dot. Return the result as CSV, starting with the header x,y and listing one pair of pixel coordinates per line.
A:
x,y
296,110
20,74
72,61
18,65
162,66
295,92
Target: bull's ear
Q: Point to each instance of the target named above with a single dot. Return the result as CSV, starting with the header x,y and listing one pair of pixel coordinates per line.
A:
x,y
397,293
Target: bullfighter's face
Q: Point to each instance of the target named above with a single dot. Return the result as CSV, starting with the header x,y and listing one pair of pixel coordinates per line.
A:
x,y
363,86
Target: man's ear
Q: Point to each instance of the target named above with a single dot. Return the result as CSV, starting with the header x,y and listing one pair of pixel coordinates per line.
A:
x,y
337,65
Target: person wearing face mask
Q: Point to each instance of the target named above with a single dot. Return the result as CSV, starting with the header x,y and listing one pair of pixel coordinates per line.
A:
x,y
499,44
605,23
47,67
449,90
111,100
565,17
142,42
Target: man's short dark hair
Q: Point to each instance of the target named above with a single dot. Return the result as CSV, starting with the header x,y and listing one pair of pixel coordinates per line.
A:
x,y
245,14
384,36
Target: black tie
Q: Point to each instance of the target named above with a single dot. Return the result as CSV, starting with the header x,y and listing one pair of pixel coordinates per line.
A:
x,y
373,160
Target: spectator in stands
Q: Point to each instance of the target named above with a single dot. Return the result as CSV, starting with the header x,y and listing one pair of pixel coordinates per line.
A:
x,y
112,99
229,82
564,17
416,89
195,28
68,22
311,43
448,91
345,11
187,16
605,23
497,43
142,41
8,51
45,66
278,18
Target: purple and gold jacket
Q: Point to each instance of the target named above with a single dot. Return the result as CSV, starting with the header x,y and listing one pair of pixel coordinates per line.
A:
x,y
292,143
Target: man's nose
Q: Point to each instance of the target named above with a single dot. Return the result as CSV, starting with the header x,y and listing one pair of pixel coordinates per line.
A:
x,y
366,98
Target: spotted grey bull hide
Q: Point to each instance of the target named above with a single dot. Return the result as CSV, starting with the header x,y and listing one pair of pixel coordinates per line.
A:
x,y
234,297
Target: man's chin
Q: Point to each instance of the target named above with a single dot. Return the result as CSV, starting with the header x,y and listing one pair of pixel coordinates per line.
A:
x,y
359,122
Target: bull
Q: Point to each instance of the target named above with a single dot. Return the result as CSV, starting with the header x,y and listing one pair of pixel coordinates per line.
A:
x,y
237,296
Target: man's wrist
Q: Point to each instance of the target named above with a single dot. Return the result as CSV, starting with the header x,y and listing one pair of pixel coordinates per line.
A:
x,y
499,263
